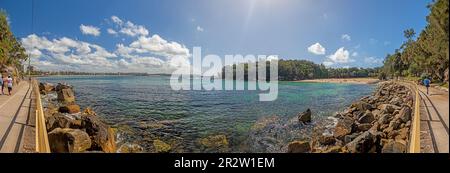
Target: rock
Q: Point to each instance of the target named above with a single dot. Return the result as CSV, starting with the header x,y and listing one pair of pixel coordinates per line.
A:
x,y
61,86
343,127
362,144
394,146
357,114
102,136
215,143
61,121
402,134
305,117
385,119
349,138
364,127
376,113
388,108
366,118
46,87
66,95
326,140
405,114
299,147
68,140
395,124
71,109
362,106
89,111
161,147
130,148
333,149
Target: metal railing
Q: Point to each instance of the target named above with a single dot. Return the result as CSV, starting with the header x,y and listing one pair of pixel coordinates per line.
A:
x,y
414,143
42,145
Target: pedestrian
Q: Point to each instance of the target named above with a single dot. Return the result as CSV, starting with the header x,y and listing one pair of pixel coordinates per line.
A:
x,y
427,83
1,83
10,84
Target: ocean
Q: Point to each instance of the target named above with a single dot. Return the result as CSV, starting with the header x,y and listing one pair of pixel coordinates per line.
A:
x,y
145,108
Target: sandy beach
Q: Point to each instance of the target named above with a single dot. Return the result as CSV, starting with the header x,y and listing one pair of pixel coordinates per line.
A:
x,y
346,80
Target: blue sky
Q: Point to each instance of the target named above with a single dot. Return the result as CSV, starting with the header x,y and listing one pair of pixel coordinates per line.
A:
x,y
349,33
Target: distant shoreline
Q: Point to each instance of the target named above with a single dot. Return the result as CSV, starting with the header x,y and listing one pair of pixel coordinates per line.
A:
x,y
343,80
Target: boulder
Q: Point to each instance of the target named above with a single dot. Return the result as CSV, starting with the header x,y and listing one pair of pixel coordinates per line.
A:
x,y
305,117
66,95
68,140
343,127
362,106
405,114
388,108
61,86
327,140
89,111
216,143
71,109
394,146
130,148
59,120
376,113
362,144
350,137
364,127
102,136
161,147
299,147
395,124
402,134
385,119
366,118
46,87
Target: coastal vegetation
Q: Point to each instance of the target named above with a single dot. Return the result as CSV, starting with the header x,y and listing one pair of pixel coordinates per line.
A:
x,y
426,55
293,70
12,53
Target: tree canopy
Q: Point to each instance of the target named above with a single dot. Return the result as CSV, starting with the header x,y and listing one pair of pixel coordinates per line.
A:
x,y
428,54
12,54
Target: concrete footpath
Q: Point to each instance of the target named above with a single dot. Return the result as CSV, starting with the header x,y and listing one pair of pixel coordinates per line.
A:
x,y
434,120
17,120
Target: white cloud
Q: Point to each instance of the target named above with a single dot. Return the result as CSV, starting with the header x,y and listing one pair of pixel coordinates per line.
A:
x,y
159,46
317,49
116,20
111,31
373,41
355,54
200,29
346,37
340,56
373,60
90,30
129,28
145,54
386,43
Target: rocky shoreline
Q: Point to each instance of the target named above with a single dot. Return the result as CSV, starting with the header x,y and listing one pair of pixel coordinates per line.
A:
x,y
71,130
379,123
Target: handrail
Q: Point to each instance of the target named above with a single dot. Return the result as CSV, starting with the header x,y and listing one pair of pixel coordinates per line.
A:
x,y
42,144
414,144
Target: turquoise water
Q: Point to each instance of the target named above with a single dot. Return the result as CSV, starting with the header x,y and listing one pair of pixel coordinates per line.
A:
x,y
138,104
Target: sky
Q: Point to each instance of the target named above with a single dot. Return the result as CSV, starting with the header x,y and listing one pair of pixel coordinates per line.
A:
x,y
157,36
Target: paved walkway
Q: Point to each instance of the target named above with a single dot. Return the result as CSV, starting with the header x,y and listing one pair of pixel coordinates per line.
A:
x,y
434,121
16,122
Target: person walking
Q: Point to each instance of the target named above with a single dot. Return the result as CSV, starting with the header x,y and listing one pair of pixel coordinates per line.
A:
x,y
10,84
427,83
1,83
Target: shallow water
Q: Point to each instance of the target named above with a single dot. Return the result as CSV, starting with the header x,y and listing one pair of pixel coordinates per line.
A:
x,y
146,108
